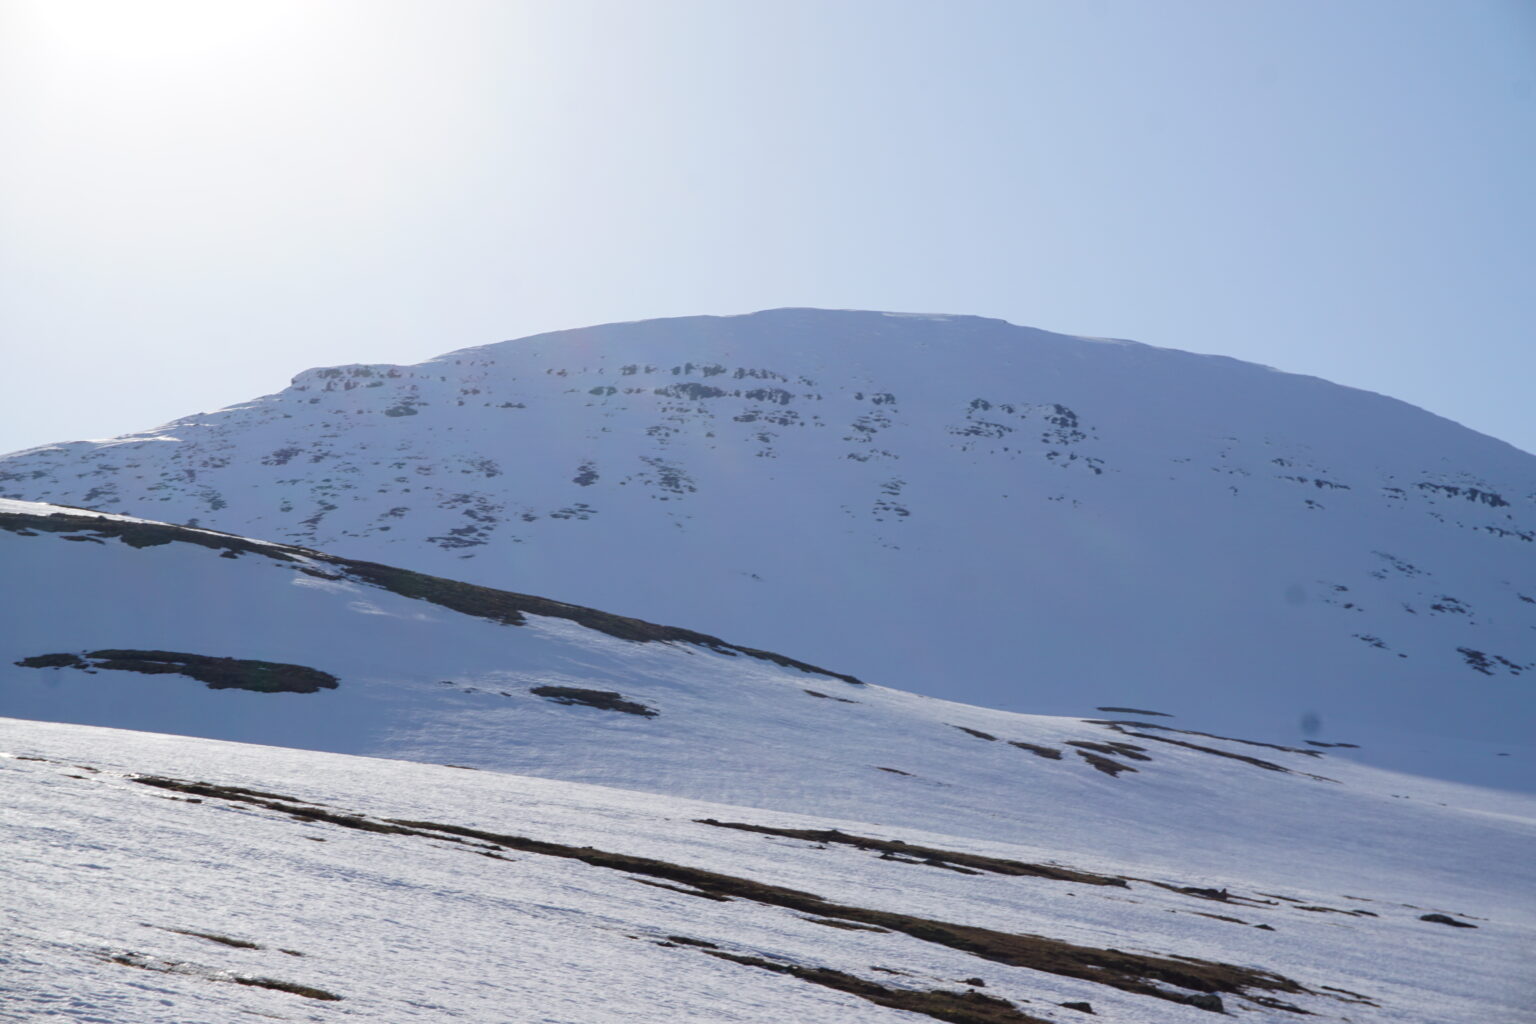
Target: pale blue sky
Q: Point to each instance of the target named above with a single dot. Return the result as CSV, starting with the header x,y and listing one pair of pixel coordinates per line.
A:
x,y
201,198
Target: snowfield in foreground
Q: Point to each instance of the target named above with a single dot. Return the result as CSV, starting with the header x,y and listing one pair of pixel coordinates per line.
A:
x,y
152,878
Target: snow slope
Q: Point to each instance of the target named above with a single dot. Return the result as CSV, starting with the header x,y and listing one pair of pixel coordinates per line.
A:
x,y
433,671
152,878
952,505
120,616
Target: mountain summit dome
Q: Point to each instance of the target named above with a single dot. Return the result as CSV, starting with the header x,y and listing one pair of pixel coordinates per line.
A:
x,y
947,504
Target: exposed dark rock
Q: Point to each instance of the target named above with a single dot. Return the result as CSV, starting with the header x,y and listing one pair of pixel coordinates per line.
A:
x,y
217,673
1204,1001
1034,748
1446,919
1127,750
1104,764
1121,725
1255,761
606,700
828,696
52,661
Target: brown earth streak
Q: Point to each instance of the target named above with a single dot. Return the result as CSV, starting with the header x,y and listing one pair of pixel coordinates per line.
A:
x,y
924,854
1202,981
970,1007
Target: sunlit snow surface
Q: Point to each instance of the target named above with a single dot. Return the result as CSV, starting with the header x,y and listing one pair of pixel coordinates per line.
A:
x,y
950,505
104,876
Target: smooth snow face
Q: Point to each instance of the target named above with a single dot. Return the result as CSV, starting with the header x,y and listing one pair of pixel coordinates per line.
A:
x,y
107,610
949,505
136,903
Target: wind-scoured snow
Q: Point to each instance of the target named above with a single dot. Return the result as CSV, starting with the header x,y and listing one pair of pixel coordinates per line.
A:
x,y
152,878
951,505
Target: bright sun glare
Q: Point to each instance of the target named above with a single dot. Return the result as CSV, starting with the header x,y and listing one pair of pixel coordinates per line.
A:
x,y
153,30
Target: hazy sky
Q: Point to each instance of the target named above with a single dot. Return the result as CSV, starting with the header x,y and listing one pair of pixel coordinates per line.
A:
x,y
199,198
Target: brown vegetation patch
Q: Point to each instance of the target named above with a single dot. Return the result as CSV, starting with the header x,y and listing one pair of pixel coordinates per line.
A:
x,y
225,940
308,992
685,892
1345,995
149,963
968,1007
1319,909
977,733
1178,979
1034,748
930,855
300,810
605,700
847,926
1203,893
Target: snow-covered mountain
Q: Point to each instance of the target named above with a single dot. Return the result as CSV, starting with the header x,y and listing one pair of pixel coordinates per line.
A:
x,y
952,505
771,840
142,625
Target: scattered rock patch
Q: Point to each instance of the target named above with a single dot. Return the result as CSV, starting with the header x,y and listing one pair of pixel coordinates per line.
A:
x,y
606,700
1104,764
217,673
930,855
1446,919
1034,748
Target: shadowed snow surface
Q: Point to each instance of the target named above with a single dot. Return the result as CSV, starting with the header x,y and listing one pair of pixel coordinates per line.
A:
x,y
562,882
952,505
